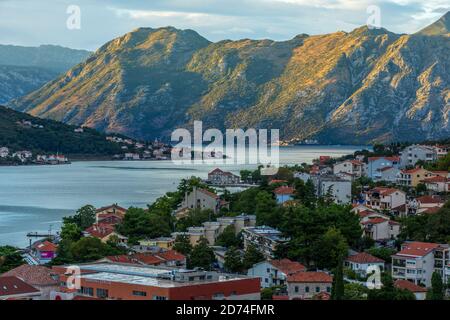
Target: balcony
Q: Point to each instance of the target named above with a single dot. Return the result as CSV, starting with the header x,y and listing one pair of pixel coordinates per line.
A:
x,y
399,263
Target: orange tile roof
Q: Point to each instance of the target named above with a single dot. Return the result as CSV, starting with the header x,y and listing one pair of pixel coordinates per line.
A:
x,y
387,158
287,266
408,285
284,190
100,230
310,277
430,199
417,249
364,257
113,206
10,286
46,246
435,179
148,259
33,275
376,220
171,255
209,193
120,259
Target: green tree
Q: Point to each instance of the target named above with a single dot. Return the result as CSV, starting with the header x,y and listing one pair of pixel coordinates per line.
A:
x,y
337,290
195,218
83,218
389,292
355,291
10,258
88,249
382,253
329,250
228,238
265,210
252,256
421,188
437,288
182,245
233,262
70,231
202,256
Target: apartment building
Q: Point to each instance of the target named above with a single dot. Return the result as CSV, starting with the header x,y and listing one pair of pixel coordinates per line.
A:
x,y
381,198
109,281
338,189
265,239
417,261
415,153
352,167
275,272
377,167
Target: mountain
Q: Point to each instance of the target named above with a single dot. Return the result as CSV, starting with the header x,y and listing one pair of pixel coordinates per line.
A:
x,y
19,131
25,69
358,87
440,27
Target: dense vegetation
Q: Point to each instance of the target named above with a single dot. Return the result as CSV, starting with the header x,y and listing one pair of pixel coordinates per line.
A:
x,y
52,137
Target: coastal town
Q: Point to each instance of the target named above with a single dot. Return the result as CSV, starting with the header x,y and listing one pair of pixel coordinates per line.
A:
x,y
131,150
369,226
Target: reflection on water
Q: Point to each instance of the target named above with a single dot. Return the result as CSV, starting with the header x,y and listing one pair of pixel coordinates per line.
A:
x,y
34,197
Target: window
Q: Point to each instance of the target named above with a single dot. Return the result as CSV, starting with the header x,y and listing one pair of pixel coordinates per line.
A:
x,y
139,293
87,291
306,289
102,293
328,289
266,280
296,289
317,289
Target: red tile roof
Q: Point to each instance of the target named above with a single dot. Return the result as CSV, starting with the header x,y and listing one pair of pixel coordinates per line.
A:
x,y
408,285
417,249
113,206
394,159
375,221
432,210
287,266
33,275
171,255
310,277
120,259
430,199
284,190
148,259
364,257
277,181
208,193
435,179
10,286
46,246
100,230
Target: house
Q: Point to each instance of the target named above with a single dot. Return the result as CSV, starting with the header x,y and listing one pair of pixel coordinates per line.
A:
x,y
284,194
388,174
132,156
414,153
437,184
219,177
380,229
441,151
361,262
202,199
376,165
307,285
417,261
114,281
13,288
104,232
338,189
107,213
419,292
302,176
161,242
265,239
4,152
275,272
353,167
44,251
412,177
425,204
388,199
39,277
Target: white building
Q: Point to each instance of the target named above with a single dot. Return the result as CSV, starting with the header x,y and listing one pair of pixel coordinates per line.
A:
x,y
220,177
340,190
386,199
417,261
380,228
4,152
275,272
265,239
363,262
414,153
353,167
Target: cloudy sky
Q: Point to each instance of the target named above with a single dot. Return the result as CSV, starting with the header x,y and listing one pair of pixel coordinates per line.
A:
x,y
35,22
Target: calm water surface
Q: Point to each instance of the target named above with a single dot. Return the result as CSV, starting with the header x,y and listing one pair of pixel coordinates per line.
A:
x,y
35,198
